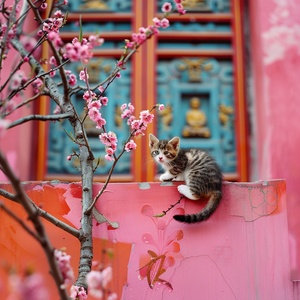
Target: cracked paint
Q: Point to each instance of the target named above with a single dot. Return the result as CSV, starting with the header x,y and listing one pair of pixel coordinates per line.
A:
x,y
230,256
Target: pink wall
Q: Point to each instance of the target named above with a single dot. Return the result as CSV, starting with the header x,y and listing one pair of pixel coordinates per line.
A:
x,y
17,142
275,45
241,252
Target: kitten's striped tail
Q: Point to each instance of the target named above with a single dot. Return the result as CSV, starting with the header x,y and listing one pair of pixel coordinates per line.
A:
x,y
205,213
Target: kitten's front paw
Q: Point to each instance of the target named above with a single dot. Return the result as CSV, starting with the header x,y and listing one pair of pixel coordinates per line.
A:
x,y
165,177
183,189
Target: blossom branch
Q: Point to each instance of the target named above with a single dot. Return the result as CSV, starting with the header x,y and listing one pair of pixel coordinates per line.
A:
x,y
24,200
44,214
57,117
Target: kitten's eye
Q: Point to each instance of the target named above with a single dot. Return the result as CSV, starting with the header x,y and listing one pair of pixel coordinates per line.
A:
x,y
166,152
155,152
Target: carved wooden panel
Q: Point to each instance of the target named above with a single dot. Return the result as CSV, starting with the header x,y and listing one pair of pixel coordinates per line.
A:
x,y
194,67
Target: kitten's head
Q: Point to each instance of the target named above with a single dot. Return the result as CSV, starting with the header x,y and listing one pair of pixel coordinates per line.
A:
x,y
163,151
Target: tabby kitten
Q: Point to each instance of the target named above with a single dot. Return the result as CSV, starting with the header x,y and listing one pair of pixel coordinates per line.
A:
x,y
200,172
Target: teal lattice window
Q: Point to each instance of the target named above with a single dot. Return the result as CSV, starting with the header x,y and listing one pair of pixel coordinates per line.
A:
x,y
202,88
60,145
100,5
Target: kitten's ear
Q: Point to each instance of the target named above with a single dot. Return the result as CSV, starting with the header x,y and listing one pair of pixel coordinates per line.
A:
x,y
152,140
175,142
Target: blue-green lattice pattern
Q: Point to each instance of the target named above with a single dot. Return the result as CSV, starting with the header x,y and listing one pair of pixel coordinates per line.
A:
x,y
211,6
214,87
60,145
100,5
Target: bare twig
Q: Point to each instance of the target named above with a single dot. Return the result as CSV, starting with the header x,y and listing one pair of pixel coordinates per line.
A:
x,y
44,214
164,212
40,118
24,200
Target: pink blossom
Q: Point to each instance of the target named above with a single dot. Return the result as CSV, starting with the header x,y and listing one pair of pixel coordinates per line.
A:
x,y
57,110
104,100
97,281
146,116
112,296
161,107
108,138
110,151
126,114
157,22
101,89
167,7
37,85
30,287
72,79
52,61
17,79
52,73
106,276
131,145
43,6
136,124
165,23
96,103
130,120
3,126
58,14
152,29
83,76
123,106
110,141
108,157
94,114
89,96
69,157
95,41
129,44
77,51
10,106
180,8
78,293
100,123
63,261
127,110
28,42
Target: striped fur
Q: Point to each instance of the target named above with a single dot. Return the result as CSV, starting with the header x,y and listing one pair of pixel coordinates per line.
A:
x,y
202,175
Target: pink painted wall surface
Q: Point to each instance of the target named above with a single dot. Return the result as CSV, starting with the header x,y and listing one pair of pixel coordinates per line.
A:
x,y
275,45
17,142
241,252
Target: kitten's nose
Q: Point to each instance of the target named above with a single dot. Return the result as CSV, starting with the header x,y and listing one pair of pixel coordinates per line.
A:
x,y
160,158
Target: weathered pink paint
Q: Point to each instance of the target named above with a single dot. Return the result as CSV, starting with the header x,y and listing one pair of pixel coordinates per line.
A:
x,y
241,252
275,53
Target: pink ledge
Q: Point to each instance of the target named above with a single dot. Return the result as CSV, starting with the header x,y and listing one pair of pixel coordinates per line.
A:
x,y
241,252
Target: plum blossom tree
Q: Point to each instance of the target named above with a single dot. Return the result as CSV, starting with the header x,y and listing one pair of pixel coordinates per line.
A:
x,y
49,18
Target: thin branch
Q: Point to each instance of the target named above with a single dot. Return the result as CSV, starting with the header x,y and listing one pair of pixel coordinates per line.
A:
x,y
40,118
164,212
8,195
58,223
19,221
116,159
44,214
25,201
